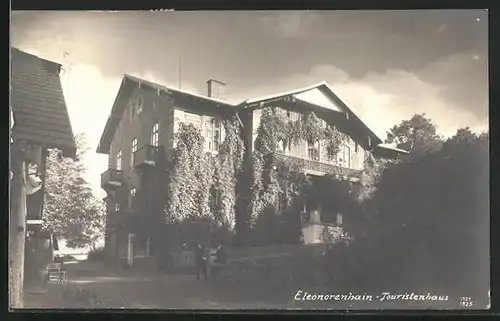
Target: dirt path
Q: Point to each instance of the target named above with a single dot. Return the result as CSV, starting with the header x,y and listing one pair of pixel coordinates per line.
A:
x,y
130,290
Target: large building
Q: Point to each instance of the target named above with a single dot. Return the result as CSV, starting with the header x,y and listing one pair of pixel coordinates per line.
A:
x,y
139,139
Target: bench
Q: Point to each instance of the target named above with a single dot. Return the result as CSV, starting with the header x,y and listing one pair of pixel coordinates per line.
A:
x,y
56,273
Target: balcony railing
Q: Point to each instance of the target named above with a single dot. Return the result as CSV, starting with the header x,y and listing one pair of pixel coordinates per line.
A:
x,y
111,179
145,156
323,167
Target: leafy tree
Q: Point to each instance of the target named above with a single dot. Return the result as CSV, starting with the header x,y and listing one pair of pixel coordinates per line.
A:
x,y
417,135
70,208
431,222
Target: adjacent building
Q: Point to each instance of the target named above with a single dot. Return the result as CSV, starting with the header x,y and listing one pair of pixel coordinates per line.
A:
x,y
39,121
139,139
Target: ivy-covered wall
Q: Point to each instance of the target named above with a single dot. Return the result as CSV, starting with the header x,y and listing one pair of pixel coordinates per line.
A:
x,y
259,196
299,148
203,184
279,187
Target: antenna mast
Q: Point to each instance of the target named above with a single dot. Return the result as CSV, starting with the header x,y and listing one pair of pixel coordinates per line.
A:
x,y
180,71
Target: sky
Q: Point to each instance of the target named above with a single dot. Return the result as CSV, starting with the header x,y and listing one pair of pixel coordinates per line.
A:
x,y
386,65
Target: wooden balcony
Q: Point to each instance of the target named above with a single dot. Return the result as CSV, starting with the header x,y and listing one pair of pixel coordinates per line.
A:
x,y
145,156
111,179
323,168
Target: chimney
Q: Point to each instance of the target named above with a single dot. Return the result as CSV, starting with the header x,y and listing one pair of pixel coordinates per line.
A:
x,y
216,89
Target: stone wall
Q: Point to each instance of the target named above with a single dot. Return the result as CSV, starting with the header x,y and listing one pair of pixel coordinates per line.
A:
x,y
272,270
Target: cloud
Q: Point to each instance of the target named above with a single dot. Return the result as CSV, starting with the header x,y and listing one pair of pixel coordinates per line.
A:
x,y
382,100
290,24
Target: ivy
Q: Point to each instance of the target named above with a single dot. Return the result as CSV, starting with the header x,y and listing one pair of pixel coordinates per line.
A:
x,y
196,175
280,180
230,162
277,188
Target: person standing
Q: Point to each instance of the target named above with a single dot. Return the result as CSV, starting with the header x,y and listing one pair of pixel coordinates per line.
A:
x,y
201,262
220,254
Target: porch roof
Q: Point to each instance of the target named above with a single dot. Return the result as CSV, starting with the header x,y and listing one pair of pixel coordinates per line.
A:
x,y
391,147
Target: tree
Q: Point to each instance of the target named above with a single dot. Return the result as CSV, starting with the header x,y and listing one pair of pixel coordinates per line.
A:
x,y
416,135
70,208
432,222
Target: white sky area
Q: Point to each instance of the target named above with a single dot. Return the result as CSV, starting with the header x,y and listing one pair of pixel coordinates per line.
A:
x,y
380,99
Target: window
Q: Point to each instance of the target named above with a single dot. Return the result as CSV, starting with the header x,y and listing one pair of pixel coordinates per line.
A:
x,y
214,135
131,199
355,147
134,149
214,198
119,160
281,203
339,219
313,151
135,106
139,103
154,134
131,109
344,159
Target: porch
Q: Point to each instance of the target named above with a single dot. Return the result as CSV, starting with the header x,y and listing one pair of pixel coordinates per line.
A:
x,y
330,204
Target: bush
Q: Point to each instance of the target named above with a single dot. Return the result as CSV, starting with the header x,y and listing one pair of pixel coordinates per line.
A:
x,y
64,258
97,255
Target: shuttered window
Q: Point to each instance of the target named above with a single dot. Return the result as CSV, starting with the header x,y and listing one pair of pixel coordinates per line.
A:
x,y
119,160
154,134
134,149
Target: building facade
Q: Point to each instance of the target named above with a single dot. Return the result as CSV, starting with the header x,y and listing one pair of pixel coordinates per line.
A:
x,y
139,139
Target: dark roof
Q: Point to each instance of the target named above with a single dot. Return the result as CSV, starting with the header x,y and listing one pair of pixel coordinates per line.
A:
x,y
37,100
128,83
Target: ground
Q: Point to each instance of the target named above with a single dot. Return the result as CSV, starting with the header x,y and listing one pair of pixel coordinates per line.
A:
x,y
133,290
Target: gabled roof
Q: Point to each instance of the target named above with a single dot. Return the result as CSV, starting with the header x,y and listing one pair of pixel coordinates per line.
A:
x,y
175,90
320,95
37,100
128,83
282,95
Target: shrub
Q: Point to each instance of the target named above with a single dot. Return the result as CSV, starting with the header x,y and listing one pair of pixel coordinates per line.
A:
x,y
96,255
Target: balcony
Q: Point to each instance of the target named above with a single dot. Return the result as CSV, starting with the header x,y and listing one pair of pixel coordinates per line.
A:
x,y
145,156
322,168
111,179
